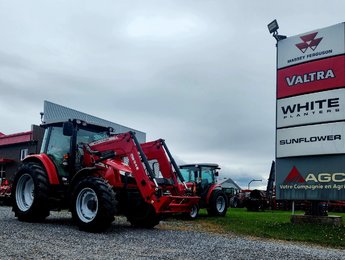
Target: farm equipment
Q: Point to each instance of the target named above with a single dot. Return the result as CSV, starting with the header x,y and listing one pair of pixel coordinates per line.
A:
x,y
97,175
201,179
5,192
239,199
256,201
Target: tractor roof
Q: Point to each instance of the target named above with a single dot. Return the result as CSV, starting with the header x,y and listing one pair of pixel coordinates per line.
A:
x,y
212,165
82,123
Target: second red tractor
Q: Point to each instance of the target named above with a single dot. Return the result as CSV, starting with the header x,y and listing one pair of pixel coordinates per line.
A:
x,y
201,178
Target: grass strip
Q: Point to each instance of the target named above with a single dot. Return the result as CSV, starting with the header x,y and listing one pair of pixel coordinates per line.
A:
x,y
275,225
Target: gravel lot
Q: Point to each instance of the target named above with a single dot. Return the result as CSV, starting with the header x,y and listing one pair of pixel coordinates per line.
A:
x,y
58,238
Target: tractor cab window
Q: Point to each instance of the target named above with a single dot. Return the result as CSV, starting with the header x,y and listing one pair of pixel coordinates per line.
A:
x,y
58,148
188,174
86,136
207,176
155,168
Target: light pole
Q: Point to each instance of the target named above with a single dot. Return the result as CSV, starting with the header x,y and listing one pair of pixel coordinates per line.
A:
x,y
251,182
273,29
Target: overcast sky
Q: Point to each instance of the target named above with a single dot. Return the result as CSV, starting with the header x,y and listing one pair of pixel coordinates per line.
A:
x,y
200,74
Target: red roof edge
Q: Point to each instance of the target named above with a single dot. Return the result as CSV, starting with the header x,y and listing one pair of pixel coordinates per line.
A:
x,y
16,138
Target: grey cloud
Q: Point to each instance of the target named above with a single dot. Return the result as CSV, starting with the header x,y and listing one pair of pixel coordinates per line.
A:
x,y
199,74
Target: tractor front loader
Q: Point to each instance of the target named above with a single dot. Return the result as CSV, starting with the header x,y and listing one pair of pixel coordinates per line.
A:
x,y
97,175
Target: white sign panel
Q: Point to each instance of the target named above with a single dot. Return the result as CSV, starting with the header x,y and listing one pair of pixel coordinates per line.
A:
x,y
313,108
319,139
312,45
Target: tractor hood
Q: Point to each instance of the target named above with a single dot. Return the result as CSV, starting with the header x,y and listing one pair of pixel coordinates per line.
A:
x,y
118,165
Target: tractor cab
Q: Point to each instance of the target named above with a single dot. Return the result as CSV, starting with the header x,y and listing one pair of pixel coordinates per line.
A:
x,y
63,143
202,180
203,175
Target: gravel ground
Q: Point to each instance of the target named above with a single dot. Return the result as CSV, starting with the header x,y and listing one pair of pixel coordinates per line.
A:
x,y
58,238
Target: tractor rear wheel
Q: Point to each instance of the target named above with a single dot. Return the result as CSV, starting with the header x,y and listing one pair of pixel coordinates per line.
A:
x,y
143,215
218,204
93,204
30,193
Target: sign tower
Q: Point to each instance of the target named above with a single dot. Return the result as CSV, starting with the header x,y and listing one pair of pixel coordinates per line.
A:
x,y
310,118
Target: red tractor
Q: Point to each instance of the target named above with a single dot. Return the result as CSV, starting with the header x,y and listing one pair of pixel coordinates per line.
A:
x,y
201,178
97,175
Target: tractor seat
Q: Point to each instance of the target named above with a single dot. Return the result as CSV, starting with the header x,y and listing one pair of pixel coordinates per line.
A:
x,y
204,183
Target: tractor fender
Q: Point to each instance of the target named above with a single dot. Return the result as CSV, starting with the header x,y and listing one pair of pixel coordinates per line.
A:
x,y
88,171
47,164
209,193
105,173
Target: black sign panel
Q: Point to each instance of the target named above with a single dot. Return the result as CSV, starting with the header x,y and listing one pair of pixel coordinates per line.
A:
x,y
311,178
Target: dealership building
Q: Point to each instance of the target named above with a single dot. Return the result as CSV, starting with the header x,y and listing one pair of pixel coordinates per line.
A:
x,y
15,147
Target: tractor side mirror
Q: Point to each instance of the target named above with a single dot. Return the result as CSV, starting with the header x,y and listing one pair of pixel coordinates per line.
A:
x,y
67,128
216,174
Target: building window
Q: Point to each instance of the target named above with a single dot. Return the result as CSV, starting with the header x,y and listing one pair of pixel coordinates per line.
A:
x,y
2,171
23,153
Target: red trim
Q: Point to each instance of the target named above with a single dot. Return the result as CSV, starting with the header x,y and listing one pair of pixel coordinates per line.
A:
x,y
48,165
4,160
311,77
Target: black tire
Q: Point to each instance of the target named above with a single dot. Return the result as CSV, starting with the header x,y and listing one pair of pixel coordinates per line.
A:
x,y
218,204
143,215
193,214
30,193
93,204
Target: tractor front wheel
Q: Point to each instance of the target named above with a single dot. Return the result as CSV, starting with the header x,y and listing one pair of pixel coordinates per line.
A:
x,y
94,204
218,204
30,193
143,215
193,214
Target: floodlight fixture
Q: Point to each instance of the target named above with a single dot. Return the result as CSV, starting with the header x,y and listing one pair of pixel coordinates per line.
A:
x,y
42,114
273,28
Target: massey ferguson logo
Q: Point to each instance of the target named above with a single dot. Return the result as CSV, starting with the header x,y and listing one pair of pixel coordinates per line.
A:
x,y
309,41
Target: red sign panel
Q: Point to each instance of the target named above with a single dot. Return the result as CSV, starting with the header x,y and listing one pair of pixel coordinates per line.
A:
x,y
311,77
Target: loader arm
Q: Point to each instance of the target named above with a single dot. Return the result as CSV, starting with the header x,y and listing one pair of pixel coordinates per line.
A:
x,y
124,146
165,194
158,151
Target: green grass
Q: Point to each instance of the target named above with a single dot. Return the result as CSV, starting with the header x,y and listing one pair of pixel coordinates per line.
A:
x,y
275,225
